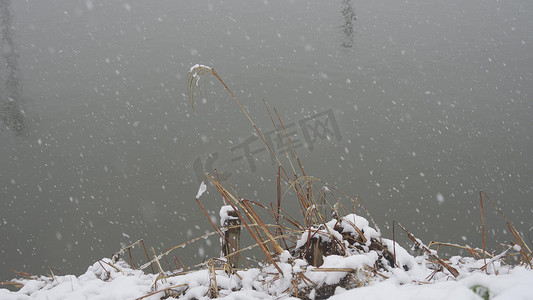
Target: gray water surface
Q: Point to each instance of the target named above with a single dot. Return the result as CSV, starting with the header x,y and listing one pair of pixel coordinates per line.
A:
x,y
415,106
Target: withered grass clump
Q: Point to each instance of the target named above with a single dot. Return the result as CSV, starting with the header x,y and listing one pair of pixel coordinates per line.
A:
x,y
303,242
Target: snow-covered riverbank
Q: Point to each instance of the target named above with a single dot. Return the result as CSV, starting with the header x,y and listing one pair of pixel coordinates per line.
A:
x,y
126,283
371,267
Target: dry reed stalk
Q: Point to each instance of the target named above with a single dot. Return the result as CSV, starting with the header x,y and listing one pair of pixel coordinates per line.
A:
x,y
293,185
168,263
310,198
289,218
451,269
346,270
147,257
157,261
394,243
161,275
306,279
525,251
117,254
182,245
262,225
295,288
500,256
250,247
432,275
280,139
373,270
281,168
358,230
279,230
105,270
483,225
163,290
112,266
12,283
181,263
52,275
193,78
304,200
23,274
213,286
475,252
278,194
234,202
290,142
131,259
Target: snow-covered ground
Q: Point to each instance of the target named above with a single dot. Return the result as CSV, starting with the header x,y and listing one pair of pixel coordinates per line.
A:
x,y
516,283
366,271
